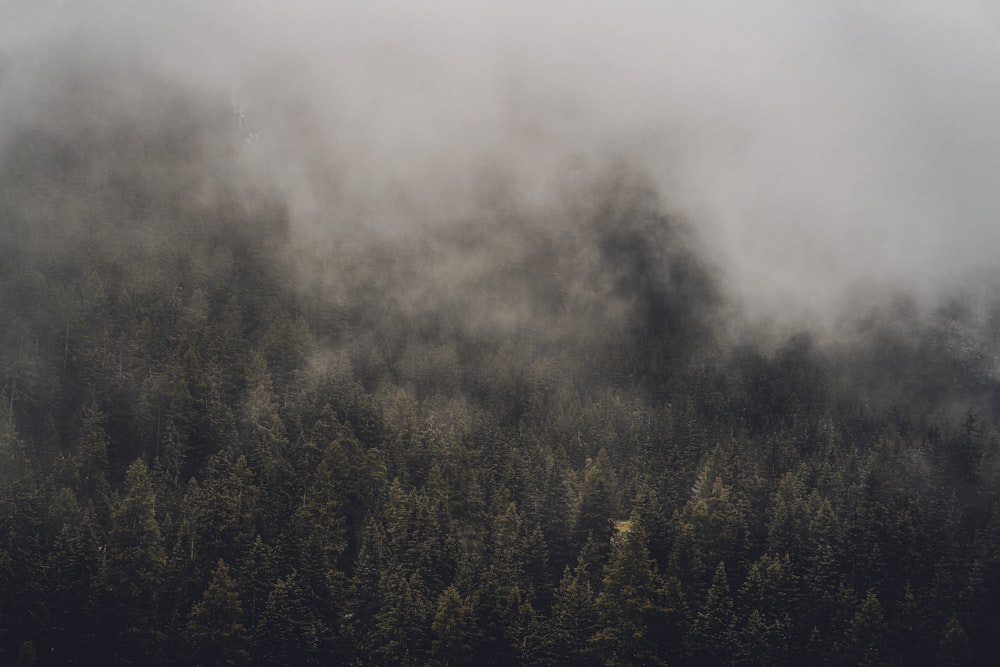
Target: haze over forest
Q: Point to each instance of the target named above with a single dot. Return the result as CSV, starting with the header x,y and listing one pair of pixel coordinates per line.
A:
x,y
465,333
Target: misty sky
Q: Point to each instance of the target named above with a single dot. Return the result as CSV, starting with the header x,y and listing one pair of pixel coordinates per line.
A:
x,y
819,150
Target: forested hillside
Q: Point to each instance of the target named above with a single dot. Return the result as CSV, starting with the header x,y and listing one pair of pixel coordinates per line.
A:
x,y
251,416
512,446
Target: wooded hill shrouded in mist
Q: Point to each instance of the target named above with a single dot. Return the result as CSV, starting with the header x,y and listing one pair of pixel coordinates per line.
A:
x,y
267,411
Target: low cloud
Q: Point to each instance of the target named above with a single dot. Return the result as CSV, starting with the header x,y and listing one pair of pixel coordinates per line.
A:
x,y
821,154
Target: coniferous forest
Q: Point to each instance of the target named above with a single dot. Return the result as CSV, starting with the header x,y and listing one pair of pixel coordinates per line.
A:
x,y
532,436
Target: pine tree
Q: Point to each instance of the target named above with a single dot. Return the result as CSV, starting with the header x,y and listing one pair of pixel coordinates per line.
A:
x,y
73,566
216,520
453,627
711,528
574,619
91,466
771,595
136,559
257,574
762,641
953,648
403,624
787,528
628,603
909,629
22,614
365,598
599,501
549,503
713,631
266,439
17,468
865,637
503,587
318,541
288,632
215,630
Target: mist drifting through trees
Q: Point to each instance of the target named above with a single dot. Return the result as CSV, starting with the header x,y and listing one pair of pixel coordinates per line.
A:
x,y
458,333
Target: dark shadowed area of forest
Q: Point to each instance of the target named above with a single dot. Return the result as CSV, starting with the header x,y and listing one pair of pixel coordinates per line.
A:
x,y
533,435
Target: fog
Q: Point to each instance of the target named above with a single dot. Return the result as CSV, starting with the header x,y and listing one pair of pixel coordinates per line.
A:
x,y
821,156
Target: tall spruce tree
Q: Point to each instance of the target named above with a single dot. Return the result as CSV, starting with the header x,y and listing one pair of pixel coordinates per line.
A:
x,y
215,630
135,567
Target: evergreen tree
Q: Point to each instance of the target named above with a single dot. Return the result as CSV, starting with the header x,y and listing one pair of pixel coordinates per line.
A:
x,y
91,463
713,630
134,571
599,501
454,629
266,440
763,642
771,597
503,588
22,615
711,528
73,566
865,636
318,541
628,603
257,575
403,623
365,598
953,648
288,632
217,519
574,619
215,631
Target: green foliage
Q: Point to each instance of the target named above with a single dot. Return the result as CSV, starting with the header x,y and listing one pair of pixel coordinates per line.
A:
x,y
289,631
713,638
711,528
91,466
215,629
73,567
954,644
402,633
574,618
206,459
599,502
133,574
454,629
628,604
863,641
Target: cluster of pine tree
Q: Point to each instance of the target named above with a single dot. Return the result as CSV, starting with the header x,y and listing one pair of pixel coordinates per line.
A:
x,y
205,459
